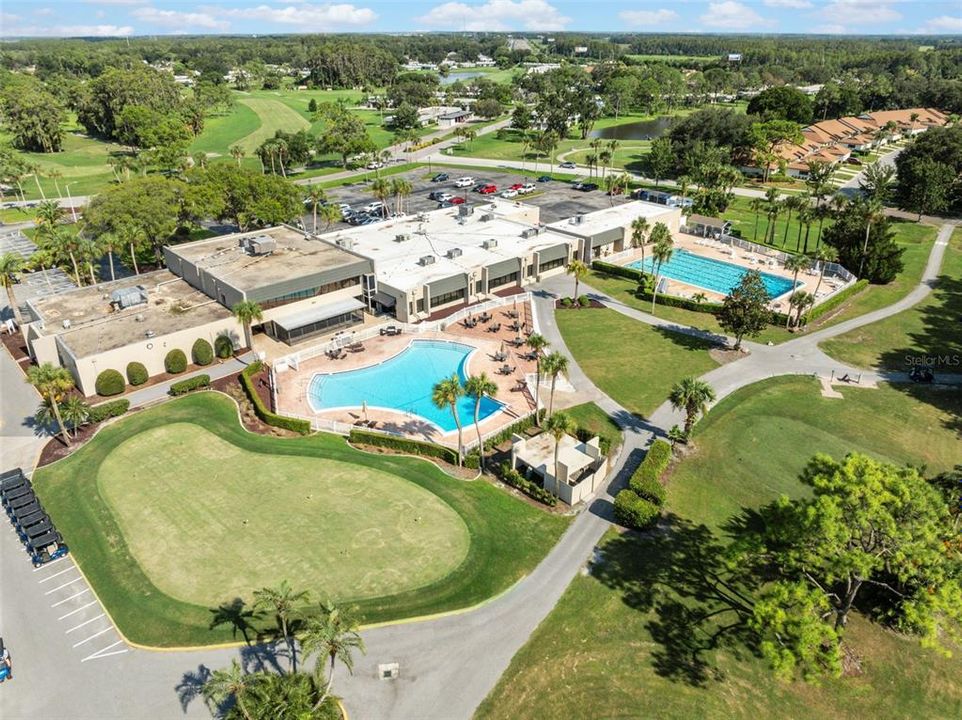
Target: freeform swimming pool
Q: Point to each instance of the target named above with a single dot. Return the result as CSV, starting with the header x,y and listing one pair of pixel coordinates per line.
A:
x,y
403,383
710,274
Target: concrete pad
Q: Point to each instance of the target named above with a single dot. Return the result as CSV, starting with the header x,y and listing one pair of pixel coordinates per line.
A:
x,y
827,389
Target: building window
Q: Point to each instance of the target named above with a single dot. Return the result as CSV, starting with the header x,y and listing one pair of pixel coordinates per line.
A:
x,y
308,293
530,271
550,264
445,298
318,327
503,280
420,305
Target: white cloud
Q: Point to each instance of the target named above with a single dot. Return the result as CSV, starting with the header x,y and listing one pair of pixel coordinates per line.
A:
x,y
731,15
942,24
306,16
179,20
496,15
67,31
860,12
793,4
641,18
8,18
115,2
830,29
43,11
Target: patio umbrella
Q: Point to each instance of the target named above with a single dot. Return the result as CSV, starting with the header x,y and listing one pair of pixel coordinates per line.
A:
x,y
502,347
364,409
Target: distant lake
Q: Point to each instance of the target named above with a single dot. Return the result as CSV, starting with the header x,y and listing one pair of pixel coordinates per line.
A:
x,y
460,76
638,130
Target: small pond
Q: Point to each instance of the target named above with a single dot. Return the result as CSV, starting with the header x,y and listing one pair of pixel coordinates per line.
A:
x,y
460,76
638,130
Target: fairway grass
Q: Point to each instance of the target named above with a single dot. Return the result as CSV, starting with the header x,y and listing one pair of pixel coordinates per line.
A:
x,y
274,115
624,641
315,494
633,363
175,491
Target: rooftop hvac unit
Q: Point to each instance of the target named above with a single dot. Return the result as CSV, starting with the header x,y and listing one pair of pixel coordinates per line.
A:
x,y
149,333
465,210
138,317
129,297
577,219
427,260
402,237
345,242
489,244
260,245
529,233
66,324
487,217
454,253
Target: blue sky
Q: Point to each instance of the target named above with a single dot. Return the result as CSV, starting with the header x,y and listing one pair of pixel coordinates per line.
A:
x,y
151,17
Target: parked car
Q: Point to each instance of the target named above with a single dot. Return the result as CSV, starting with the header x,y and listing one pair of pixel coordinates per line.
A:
x,y
567,165
544,178
517,186
343,207
464,182
585,187
442,197
440,177
478,185
456,200
488,189
509,193
437,195
373,207
527,188
374,165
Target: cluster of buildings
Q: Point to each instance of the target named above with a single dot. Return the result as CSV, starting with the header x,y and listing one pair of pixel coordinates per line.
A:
x,y
451,63
407,269
835,141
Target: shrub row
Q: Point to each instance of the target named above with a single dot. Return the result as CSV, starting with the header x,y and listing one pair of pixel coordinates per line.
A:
x,y
109,382
619,270
512,477
107,410
412,447
515,428
639,505
201,352
136,373
834,301
299,426
680,302
185,386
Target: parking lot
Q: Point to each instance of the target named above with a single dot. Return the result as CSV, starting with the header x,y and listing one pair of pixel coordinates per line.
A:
x,y
557,199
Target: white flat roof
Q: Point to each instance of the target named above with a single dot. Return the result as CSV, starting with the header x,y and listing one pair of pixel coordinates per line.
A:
x,y
397,263
617,216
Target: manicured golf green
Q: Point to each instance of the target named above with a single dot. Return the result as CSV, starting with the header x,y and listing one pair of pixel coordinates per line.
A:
x,y
625,641
177,510
175,491
274,115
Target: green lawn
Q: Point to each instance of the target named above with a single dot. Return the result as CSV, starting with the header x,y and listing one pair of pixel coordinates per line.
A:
x,y
181,479
931,328
623,641
634,363
593,419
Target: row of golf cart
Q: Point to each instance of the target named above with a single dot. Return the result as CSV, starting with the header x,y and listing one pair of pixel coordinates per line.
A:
x,y
33,525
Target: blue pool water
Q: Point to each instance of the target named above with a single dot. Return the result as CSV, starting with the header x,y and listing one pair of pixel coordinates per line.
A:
x,y
711,274
403,382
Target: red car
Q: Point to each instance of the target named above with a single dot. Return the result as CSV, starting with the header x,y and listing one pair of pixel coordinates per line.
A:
x,y
456,200
488,189
517,186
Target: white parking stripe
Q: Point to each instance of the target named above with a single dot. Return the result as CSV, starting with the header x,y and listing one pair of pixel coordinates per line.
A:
x,y
61,587
49,564
61,602
101,654
85,622
51,577
106,629
74,612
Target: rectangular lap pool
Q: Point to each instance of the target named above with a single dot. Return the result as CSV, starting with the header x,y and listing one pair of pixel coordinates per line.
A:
x,y
710,274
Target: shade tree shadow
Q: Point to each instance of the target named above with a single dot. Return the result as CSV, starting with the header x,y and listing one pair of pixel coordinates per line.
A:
x,y
235,614
191,686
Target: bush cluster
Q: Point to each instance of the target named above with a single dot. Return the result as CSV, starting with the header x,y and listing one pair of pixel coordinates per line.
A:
x,y
201,352
512,477
412,447
107,410
175,362
223,347
299,426
834,301
640,504
136,373
619,271
185,386
515,428
109,382
584,301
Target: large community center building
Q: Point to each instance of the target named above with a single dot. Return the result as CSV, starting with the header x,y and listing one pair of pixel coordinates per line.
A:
x,y
411,269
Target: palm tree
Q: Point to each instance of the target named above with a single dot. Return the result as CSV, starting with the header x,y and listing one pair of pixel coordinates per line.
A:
x,y
478,387
591,160
88,250
639,235
445,395
49,213
231,683
558,426
109,241
315,198
794,264
579,271
237,152
876,181
791,202
52,383
537,343
873,213
11,265
400,188
756,205
75,412
604,158
773,208
334,635
823,255
381,190
684,185
281,601
248,311
330,214
63,242
41,258
661,252
799,302
693,396
554,365
56,176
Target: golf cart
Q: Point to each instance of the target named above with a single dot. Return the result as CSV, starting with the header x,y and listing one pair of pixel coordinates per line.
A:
x,y
46,548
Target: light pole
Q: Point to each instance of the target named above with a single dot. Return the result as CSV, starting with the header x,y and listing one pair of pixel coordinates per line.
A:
x,y
73,210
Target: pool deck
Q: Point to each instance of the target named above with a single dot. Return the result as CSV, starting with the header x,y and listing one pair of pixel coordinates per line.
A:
x,y
293,384
736,256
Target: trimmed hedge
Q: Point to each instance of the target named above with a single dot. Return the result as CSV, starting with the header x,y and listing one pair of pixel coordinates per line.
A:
x,y
833,302
185,386
518,427
175,362
299,426
584,301
223,347
679,302
137,373
107,410
633,511
412,447
512,477
648,488
201,352
110,382
619,270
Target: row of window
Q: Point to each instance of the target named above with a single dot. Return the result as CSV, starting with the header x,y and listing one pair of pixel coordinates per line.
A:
x,y
445,298
309,293
315,328
549,264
